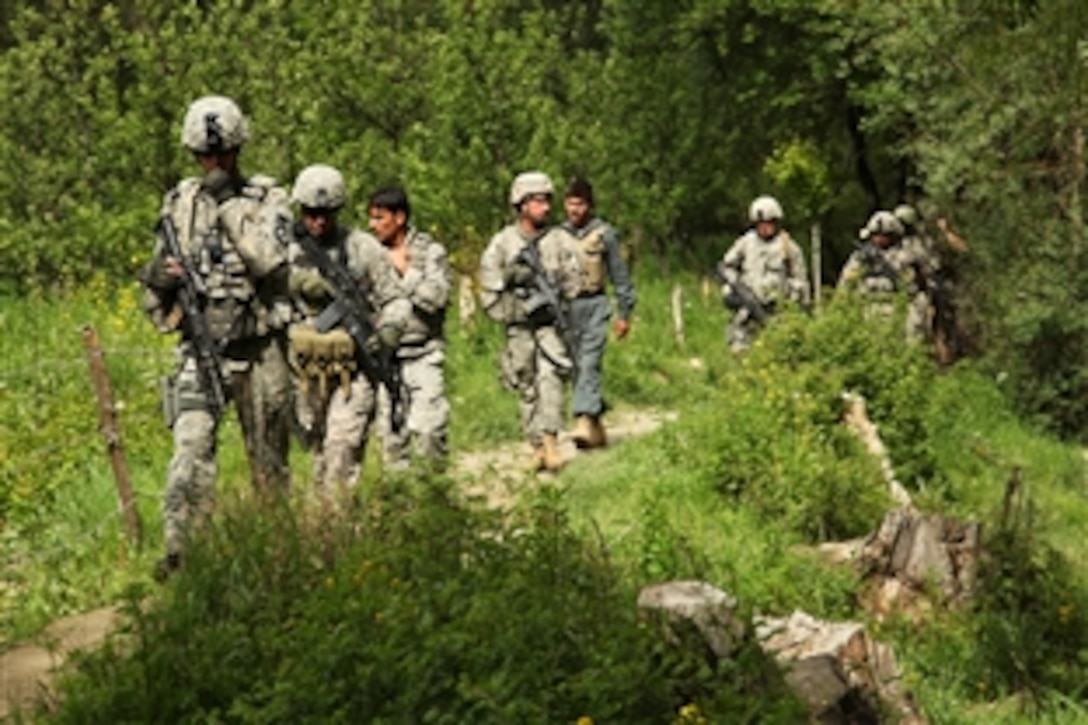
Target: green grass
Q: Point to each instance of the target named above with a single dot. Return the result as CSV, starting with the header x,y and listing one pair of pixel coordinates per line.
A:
x,y
754,470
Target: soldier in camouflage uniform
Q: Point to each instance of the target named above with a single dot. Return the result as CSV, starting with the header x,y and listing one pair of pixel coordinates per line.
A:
x,y
419,275
769,262
882,268
916,239
536,360
226,226
336,395
598,251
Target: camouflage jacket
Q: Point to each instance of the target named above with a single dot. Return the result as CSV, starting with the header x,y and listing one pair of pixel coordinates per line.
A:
x,y
234,248
773,268
506,303
876,271
365,260
417,299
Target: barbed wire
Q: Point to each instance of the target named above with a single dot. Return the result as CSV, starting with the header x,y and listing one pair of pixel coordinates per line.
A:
x,y
18,375
67,443
38,556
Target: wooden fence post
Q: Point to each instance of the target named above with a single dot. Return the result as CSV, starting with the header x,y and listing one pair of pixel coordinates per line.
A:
x,y
107,423
678,314
817,268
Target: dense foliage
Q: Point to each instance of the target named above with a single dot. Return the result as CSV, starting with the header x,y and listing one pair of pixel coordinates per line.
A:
x,y
413,610
756,466
679,111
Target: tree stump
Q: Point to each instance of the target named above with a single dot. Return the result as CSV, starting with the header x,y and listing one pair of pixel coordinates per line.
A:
x,y
708,608
912,554
837,669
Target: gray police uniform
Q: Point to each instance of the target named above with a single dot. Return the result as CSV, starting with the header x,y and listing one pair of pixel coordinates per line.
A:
x,y
598,249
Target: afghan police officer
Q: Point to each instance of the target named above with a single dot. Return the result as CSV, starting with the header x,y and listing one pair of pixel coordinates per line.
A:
x,y
419,275
598,251
337,273
225,226
882,268
536,359
763,268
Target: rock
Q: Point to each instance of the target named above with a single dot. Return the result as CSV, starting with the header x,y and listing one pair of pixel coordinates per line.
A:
x,y
841,552
922,552
708,608
842,674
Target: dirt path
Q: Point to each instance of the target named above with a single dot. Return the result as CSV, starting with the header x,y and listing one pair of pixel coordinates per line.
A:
x,y
494,475
27,671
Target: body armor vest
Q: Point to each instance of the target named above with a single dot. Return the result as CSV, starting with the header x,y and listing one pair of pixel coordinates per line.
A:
x,y
591,255
231,309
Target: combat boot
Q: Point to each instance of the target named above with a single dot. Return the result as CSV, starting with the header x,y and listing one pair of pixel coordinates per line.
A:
x,y
535,461
552,459
583,432
597,437
166,566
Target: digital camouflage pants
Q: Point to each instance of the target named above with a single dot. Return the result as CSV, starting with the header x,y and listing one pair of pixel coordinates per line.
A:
x,y
426,410
535,364
338,429
259,383
741,331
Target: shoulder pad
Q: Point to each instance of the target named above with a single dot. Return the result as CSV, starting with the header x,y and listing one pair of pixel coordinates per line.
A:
x,y
358,236
185,187
263,181
282,229
263,188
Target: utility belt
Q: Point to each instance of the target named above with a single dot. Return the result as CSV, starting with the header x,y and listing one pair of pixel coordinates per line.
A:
x,y
322,359
184,390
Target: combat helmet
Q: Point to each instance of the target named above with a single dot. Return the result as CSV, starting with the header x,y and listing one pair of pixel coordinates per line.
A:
x,y
884,222
319,187
765,209
527,184
907,215
213,124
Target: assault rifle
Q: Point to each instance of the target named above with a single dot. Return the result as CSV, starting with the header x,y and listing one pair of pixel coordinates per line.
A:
x,y
872,257
546,298
351,310
740,296
206,349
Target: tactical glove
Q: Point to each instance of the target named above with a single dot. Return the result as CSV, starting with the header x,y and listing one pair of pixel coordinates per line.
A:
x,y
389,336
517,274
309,283
155,275
385,339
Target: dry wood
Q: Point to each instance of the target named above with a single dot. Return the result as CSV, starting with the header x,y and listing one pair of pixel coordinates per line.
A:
x,y
111,432
466,303
857,420
678,314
